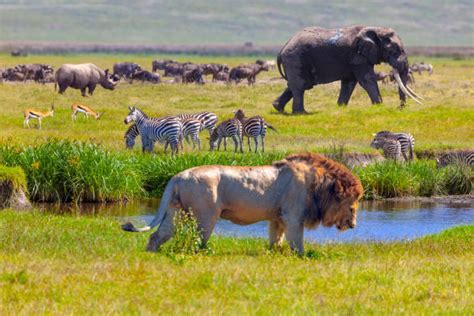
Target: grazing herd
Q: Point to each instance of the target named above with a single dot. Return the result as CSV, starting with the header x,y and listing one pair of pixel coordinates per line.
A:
x,y
172,130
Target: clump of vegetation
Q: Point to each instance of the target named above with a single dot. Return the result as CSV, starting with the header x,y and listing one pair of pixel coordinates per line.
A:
x,y
187,237
15,176
457,179
13,189
418,178
65,171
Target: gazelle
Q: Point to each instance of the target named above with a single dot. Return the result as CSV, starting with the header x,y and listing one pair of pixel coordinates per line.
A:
x,y
81,108
31,113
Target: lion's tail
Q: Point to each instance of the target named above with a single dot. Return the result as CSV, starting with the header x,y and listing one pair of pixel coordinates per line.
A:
x,y
168,196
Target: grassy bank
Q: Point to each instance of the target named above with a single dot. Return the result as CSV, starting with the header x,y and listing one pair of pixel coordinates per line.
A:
x,y
74,171
62,264
448,110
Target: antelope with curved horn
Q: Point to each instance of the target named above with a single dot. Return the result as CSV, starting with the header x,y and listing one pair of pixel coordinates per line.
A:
x,y
81,108
35,114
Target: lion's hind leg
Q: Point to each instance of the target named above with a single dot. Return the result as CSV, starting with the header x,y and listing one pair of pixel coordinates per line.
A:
x,y
163,234
276,233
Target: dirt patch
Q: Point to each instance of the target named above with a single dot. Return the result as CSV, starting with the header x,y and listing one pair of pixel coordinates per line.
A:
x,y
11,197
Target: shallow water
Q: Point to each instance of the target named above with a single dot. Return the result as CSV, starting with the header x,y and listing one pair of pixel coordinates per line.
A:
x,y
376,221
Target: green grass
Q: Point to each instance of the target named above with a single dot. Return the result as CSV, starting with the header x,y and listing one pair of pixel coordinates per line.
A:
x,y
13,175
64,171
62,264
443,122
420,178
225,22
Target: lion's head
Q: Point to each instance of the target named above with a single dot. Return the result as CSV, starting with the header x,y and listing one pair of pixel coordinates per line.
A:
x,y
334,193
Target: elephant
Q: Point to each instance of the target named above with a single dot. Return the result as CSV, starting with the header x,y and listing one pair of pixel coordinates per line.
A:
x,y
82,76
317,55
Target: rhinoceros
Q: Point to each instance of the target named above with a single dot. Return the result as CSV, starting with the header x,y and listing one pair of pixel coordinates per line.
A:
x,y
82,76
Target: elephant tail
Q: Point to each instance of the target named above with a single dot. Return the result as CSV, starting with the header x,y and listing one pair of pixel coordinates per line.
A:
x,y
168,197
279,67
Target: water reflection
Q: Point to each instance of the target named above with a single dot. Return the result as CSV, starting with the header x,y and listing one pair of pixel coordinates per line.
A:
x,y
376,221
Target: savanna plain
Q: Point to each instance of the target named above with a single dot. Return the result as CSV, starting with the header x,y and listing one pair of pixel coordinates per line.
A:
x,y
53,263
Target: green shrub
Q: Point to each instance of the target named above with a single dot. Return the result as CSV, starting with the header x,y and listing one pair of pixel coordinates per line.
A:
x,y
187,237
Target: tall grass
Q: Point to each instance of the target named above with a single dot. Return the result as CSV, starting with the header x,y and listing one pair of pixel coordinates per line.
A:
x,y
65,171
419,178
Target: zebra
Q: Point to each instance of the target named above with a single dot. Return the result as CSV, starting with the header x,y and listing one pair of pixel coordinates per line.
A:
x,y
392,149
165,130
461,157
253,127
130,135
407,141
228,128
208,119
192,127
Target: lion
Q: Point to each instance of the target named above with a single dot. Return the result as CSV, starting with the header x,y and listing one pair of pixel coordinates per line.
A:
x,y
302,190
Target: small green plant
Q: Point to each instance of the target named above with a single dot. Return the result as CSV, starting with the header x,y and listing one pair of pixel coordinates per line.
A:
x,y
187,237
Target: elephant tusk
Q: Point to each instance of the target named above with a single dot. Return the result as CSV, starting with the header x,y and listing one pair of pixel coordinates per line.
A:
x,y
402,87
414,93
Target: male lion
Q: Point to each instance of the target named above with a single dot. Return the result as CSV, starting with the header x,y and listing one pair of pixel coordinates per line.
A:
x,y
300,190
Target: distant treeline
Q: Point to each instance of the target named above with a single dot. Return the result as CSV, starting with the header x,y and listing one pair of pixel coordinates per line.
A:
x,y
218,49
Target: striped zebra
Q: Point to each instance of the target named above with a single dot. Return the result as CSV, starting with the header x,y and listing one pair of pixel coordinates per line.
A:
x,y
228,128
191,128
459,157
208,119
165,130
392,149
130,135
407,141
254,127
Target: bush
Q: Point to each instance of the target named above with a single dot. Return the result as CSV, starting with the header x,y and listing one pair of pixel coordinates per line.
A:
x,y
187,237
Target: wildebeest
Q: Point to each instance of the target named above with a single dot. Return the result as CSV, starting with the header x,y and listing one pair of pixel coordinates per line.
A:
x,y
270,64
221,76
246,71
193,75
144,75
12,74
173,69
36,72
18,53
82,76
160,64
126,69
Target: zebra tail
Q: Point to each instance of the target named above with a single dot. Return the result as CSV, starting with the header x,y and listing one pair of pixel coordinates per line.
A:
x,y
271,127
168,196
411,152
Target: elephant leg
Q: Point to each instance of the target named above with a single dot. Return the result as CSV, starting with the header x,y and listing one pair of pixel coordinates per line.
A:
x,y
282,100
83,92
367,79
347,87
275,233
298,101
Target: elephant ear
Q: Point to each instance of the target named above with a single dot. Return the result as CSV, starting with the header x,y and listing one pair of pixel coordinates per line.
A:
x,y
367,45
